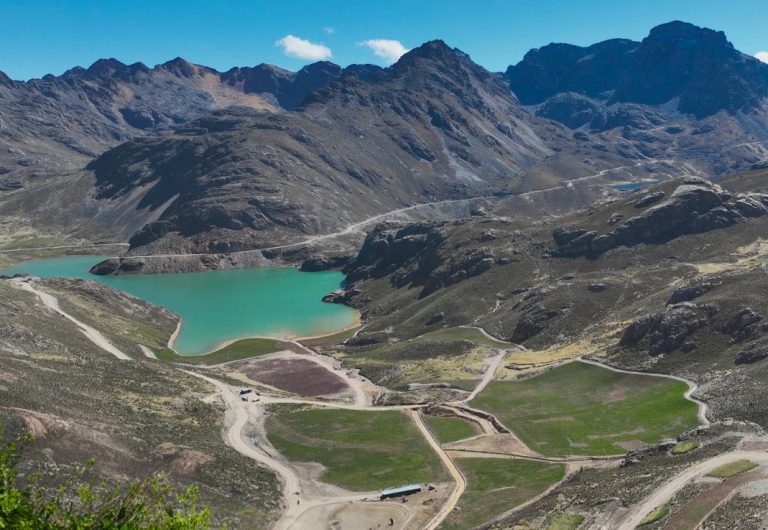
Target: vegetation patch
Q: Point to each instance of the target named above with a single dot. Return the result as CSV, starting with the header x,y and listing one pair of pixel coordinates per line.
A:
x,y
584,409
472,335
450,428
360,450
495,485
565,521
330,340
236,351
685,447
458,363
656,515
732,468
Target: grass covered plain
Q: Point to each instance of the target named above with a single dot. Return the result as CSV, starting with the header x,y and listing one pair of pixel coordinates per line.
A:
x,y
495,485
455,356
731,469
361,450
449,429
470,334
565,521
236,351
584,409
655,516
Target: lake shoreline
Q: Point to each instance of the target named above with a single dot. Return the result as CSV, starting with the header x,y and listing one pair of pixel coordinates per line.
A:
x,y
217,308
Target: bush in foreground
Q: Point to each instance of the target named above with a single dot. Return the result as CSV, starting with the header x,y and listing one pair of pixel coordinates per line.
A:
x,y
81,503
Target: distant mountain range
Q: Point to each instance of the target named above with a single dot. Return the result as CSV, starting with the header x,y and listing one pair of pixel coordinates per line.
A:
x,y
182,158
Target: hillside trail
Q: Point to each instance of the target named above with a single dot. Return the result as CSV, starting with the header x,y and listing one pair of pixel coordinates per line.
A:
x,y
91,334
663,494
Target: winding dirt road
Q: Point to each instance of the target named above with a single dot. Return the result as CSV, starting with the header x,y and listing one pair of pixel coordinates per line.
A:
x,y
662,495
92,334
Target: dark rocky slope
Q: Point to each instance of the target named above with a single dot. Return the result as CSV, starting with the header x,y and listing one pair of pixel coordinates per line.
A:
x,y
434,126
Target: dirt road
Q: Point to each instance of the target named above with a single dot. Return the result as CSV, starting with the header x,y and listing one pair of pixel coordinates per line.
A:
x,y
662,495
234,438
459,483
91,334
490,371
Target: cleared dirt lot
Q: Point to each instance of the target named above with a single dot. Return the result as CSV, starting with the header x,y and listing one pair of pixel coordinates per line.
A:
x,y
295,374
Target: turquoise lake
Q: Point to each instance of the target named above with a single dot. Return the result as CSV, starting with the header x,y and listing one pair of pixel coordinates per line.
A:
x,y
217,306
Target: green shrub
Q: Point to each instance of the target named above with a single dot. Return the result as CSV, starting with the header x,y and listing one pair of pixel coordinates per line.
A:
x,y
685,447
82,503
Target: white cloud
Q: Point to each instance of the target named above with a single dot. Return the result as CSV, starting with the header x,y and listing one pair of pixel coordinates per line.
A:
x,y
389,50
329,30
303,49
763,56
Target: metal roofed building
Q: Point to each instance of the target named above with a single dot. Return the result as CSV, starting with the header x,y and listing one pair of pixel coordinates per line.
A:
x,y
401,491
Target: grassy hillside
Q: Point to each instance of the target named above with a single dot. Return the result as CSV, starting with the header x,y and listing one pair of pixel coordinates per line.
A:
x,y
361,450
583,409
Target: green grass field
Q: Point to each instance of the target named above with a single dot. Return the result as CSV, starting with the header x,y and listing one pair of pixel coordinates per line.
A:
x,y
238,350
470,334
361,450
732,469
583,409
495,485
565,521
449,428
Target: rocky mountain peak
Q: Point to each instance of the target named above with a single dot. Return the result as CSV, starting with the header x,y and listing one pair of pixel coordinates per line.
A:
x,y
683,33
106,67
181,68
436,51
5,80
694,68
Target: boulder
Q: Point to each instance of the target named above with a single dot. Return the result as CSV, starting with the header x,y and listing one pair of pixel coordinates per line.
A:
x,y
690,292
756,351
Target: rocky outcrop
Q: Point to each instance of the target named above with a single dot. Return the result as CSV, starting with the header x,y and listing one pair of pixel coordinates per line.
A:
x,y
690,292
695,206
317,263
411,255
743,324
534,320
669,330
754,352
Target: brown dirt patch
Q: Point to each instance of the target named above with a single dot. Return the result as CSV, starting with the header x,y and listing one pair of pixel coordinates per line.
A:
x,y
755,446
627,387
183,460
299,376
631,445
492,443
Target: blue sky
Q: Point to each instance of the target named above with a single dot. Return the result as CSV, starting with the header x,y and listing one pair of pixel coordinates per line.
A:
x,y
39,37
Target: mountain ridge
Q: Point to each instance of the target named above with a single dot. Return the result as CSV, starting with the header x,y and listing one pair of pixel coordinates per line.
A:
x,y
213,171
